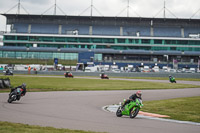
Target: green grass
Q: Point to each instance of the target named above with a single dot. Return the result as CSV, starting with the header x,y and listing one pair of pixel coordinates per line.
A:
x,y
7,127
186,109
161,78
76,84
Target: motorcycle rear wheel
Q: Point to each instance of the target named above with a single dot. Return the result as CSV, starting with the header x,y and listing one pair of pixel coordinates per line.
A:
x,y
119,112
133,114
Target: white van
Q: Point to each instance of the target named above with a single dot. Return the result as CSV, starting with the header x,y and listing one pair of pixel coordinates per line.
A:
x,y
156,69
146,69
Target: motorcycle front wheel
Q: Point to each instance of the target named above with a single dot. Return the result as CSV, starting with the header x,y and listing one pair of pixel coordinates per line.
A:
x,y
133,113
119,112
10,100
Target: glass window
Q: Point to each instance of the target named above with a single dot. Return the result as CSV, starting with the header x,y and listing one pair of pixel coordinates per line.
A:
x,y
145,41
194,42
59,39
97,40
9,37
137,41
8,54
1,54
182,42
130,40
45,55
121,40
98,57
21,55
47,39
84,40
157,41
108,40
72,40
23,38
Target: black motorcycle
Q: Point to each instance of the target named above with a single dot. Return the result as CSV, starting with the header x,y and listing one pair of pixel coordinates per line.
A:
x,y
8,72
15,95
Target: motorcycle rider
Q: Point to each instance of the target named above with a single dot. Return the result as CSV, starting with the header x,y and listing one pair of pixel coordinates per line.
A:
x,y
133,97
23,87
7,71
170,78
102,74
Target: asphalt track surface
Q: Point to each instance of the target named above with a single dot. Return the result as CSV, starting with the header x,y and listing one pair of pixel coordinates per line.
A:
x,y
82,110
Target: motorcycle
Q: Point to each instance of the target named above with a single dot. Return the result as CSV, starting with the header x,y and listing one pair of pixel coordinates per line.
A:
x,y
8,72
15,94
131,109
68,74
172,79
104,76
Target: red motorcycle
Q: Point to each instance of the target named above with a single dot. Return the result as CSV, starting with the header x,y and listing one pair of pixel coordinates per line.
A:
x,y
68,75
104,76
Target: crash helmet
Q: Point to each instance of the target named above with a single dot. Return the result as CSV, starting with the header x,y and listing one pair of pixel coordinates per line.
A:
x,y
139,93
24,85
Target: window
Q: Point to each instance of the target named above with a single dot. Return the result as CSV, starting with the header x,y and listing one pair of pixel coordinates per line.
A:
x,y
108,40
97,40
121,40
23,38
145,41
157,41
72,39
9,37
60,39
84,40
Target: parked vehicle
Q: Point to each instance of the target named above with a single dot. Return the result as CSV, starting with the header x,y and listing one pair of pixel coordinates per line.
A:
x,y
172,79
192,70
116,70
156,69
91,69
68,75
146,69
131,109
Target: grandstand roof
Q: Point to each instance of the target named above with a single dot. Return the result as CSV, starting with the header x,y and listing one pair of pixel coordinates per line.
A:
x,y
96,20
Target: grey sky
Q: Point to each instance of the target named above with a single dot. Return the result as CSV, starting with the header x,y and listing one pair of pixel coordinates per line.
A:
x,y
143,8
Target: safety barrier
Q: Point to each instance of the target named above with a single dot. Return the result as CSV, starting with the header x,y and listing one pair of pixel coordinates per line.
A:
x,y
5,83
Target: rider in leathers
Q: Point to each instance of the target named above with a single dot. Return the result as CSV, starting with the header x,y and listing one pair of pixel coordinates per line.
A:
x,y
133,97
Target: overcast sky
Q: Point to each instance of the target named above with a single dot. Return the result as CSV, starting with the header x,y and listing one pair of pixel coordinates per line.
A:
x,y
142,8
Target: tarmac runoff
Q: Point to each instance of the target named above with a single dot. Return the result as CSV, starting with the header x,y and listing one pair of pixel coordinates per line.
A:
x,y
146,115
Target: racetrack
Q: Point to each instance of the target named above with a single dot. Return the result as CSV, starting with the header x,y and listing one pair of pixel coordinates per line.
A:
x,y
82,110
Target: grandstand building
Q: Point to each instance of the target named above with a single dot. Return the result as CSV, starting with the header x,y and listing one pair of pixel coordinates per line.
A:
x,y
122,40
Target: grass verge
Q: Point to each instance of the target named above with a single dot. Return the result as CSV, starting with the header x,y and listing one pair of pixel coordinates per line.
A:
x,y
7,127
161,78
185,109
76,84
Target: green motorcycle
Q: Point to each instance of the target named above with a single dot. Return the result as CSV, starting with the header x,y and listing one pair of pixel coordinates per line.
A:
x,y
131,109
172,79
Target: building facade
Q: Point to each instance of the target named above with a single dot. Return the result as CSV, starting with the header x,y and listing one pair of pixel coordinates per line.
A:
x,y
124,40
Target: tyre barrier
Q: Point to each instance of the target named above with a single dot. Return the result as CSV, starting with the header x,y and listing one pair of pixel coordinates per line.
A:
x,y
5,83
